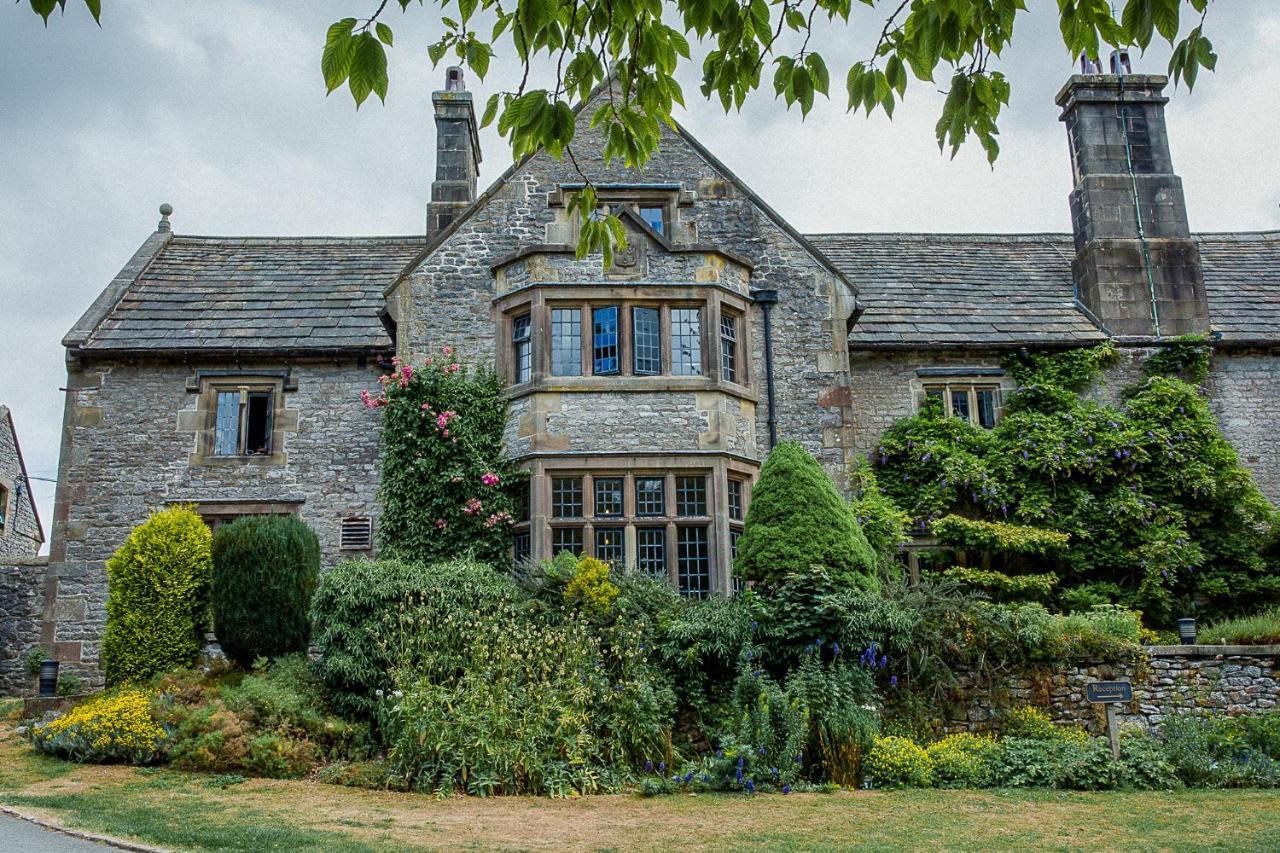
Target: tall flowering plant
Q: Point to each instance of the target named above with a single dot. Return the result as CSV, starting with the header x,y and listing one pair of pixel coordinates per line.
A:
x,y
448,486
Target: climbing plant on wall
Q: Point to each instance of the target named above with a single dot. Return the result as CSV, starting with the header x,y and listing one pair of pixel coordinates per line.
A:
x,y
447,486
1159,512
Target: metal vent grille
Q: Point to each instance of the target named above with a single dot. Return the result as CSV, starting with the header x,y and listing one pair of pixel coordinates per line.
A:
x,y
357,534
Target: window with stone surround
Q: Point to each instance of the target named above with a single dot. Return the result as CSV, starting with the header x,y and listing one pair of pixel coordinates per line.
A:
x,y
595,335
729,368
239,418
658,522
686,342
4,509
976,402
566,342
522,348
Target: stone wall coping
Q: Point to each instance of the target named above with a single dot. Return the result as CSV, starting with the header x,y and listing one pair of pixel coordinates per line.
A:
x,y
1211,651
24,560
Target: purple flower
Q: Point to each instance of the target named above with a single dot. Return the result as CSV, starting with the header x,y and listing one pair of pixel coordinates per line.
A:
x,y
662,767
648,766
786,789
893,681
751,787
760,750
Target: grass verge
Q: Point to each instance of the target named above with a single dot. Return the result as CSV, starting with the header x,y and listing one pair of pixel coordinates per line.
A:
x,y
197,812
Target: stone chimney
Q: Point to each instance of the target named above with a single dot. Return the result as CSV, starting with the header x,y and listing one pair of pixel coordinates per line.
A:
x,y
457,153
1136,267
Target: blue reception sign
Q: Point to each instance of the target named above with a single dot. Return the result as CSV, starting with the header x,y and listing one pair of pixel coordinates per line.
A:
x,y
1109,691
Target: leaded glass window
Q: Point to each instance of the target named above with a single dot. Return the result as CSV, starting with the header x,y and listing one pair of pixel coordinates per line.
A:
x,y
566,497
651,551
729,348
522,545
522,348
691,495
693,562
566,539
608,495
651,496
227,433
655,218
735,499
566,342
610,546
686,341
604,340
645,342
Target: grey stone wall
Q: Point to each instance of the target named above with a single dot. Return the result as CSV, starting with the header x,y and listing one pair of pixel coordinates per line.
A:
x,y
447,299
21,534
21,604
1243,388
126,451
1234,680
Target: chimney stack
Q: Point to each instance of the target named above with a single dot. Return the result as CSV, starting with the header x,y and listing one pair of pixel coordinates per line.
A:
x,y
457,153
1136,268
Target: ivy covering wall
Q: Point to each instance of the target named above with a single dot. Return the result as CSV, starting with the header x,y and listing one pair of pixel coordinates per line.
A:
x,y
1157,510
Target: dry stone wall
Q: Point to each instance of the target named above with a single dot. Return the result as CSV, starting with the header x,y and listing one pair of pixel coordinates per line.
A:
x,y
21,605
1235,680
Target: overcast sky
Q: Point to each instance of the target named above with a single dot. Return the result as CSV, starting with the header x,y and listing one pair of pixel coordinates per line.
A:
x,y
219,109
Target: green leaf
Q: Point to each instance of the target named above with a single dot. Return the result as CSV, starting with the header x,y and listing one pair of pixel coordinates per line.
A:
x,y
490,110
335,62
44,8
95,9
384,34
368,69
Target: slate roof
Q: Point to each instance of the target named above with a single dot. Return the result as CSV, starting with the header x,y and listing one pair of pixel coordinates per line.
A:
x,y
257,294
246,294
999,290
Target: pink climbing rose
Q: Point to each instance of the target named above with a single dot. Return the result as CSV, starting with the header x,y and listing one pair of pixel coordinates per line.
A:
x,y
490,479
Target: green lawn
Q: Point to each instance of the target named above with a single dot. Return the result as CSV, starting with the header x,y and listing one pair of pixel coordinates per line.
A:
x,y
196,812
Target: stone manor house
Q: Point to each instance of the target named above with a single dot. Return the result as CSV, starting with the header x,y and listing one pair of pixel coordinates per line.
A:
x,y
226,371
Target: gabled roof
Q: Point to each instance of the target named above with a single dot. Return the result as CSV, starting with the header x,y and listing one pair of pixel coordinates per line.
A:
x,y
6,422
681,133
251,294
1000,290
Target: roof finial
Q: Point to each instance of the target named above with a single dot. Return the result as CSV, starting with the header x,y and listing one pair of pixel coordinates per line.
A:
x,y
165,210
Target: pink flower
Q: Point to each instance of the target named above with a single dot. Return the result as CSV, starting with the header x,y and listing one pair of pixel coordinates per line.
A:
x,y
441,524
490,479
442,419
406,373
455,479
426,407
472,506
446,349
497,518
455,367
370,401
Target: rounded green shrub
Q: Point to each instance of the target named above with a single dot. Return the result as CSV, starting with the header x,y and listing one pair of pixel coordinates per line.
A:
x,y
798,520
962,760
264,573
158,597
897,762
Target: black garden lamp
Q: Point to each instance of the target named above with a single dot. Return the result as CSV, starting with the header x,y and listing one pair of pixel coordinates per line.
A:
x,y
48,678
